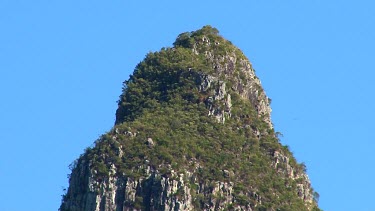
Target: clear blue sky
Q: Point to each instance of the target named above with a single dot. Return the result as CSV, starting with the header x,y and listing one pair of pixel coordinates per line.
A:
x,y
62,66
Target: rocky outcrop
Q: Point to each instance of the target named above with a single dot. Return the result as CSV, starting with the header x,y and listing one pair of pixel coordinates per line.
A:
x,y
153,192
282,164
219,102
244,82
158,191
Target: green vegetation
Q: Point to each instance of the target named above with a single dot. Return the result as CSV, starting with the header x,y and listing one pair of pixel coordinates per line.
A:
x,y
162,101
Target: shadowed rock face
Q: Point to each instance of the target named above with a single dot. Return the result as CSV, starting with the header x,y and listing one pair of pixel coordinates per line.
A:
x,y
193,132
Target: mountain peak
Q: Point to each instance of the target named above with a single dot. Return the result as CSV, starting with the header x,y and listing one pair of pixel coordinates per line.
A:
x,y
206,57
193,132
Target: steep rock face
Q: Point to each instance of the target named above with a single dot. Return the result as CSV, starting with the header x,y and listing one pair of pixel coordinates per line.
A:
x,y
161,192
245,83
154,192
193,132
282,164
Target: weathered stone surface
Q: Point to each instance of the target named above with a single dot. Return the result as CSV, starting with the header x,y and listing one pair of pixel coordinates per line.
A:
x,y
248,86
303,182
154,192
150,142
160,192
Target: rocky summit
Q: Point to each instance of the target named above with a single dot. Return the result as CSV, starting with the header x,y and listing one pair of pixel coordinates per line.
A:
x,y
193,131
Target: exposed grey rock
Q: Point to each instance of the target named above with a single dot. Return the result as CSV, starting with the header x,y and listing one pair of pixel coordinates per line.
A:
x,y
304,185
247,85
154,192
130,134
226,173
150,142
157,192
